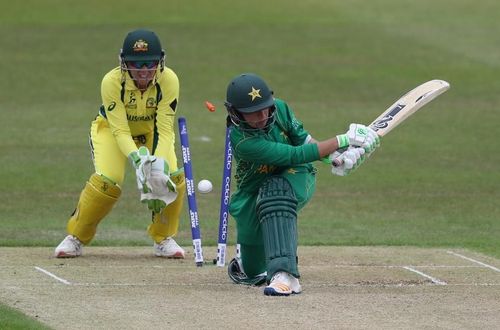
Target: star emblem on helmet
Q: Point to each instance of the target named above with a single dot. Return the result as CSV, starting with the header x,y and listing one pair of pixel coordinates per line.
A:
x,y
140,46
255,93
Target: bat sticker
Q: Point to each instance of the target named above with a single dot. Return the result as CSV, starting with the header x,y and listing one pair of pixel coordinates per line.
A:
x,y
382,123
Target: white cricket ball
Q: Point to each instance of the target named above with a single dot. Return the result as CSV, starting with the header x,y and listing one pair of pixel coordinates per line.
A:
x,y
205,186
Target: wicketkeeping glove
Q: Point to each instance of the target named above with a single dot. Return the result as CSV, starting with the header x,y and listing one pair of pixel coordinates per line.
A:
x,y
163,189
142,161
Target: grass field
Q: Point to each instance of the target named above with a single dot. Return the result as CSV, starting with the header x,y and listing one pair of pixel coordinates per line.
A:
x,y
433,183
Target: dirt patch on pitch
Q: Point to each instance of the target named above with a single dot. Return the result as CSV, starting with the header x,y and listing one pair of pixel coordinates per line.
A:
x,y
344,287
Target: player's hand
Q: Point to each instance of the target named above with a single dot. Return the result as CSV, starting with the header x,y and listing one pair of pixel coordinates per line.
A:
x,y
163,189
372,142
355,136
351,159
160,176
358,135
142,161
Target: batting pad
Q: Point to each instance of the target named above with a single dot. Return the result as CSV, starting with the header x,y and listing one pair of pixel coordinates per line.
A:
x,y
277,212
96,200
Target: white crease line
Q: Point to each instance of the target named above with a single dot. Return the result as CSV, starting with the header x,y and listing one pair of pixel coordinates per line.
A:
x,y
386,266
62,280
476,261
306,284
189,268
434,280
155,284
393,285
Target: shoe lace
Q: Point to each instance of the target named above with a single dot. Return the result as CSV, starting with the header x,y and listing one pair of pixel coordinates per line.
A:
x,y
162,245
170,242
73,239
75,242
167,243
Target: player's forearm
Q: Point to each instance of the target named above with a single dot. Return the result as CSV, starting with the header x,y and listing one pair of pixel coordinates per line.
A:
x,y
126,144
326,147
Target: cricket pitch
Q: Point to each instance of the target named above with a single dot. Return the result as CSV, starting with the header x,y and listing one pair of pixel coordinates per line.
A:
x,y
344,287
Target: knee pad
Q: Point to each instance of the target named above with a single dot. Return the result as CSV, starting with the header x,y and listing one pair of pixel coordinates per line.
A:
x,y
277,213
105,186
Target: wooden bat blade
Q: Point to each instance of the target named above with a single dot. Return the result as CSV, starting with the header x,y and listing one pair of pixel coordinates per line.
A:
x,y
408,104
404,107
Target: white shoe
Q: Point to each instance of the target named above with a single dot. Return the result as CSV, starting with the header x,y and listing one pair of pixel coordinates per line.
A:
x,y
169,248
70,247
283,284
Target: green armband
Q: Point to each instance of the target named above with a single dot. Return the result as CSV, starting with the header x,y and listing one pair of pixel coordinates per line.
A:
x,y
343,141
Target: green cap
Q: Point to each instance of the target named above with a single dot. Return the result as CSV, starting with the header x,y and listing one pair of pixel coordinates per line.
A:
x,y
141,45
248,93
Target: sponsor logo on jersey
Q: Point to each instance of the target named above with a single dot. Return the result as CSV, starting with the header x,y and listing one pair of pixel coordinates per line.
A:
x,y
151,103
131,102
140,118
111,106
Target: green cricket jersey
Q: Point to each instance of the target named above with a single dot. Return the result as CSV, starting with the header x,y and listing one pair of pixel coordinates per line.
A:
x,y
258,155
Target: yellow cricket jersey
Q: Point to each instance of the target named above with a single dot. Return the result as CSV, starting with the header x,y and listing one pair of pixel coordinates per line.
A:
x,y
131,113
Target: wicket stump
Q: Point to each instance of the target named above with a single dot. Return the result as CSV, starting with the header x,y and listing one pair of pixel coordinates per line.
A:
x,y
190,190
224,201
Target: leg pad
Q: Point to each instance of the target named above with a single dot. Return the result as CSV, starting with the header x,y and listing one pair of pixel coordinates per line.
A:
x,y
96,201
277,213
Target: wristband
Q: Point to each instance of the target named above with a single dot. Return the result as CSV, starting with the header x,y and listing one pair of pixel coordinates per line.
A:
x,y
342,141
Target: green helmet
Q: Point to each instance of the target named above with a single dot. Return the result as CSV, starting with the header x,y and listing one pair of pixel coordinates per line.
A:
x,y
248,93
142,45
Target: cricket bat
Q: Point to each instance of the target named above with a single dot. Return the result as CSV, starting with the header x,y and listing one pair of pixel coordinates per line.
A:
x,y
404,107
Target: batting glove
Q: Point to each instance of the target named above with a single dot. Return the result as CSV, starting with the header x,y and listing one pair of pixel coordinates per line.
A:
x,y
359,135
355,136
350,159
372,142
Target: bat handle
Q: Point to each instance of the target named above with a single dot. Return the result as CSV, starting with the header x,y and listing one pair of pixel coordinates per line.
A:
x,y
337,162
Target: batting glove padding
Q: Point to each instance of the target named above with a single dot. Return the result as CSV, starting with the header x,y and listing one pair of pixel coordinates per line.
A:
x,y
372,142
358,135
351,159
355,136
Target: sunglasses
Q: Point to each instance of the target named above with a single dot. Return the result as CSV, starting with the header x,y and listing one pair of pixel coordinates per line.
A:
x,y
141,64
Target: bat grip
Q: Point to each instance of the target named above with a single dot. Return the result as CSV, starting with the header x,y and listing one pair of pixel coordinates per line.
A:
x,y
337,162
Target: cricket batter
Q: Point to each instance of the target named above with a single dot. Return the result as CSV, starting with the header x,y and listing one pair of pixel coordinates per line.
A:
x,y
275,179
135,122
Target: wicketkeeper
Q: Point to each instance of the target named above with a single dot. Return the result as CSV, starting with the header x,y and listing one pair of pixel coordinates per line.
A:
x,y
275,179
135,122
